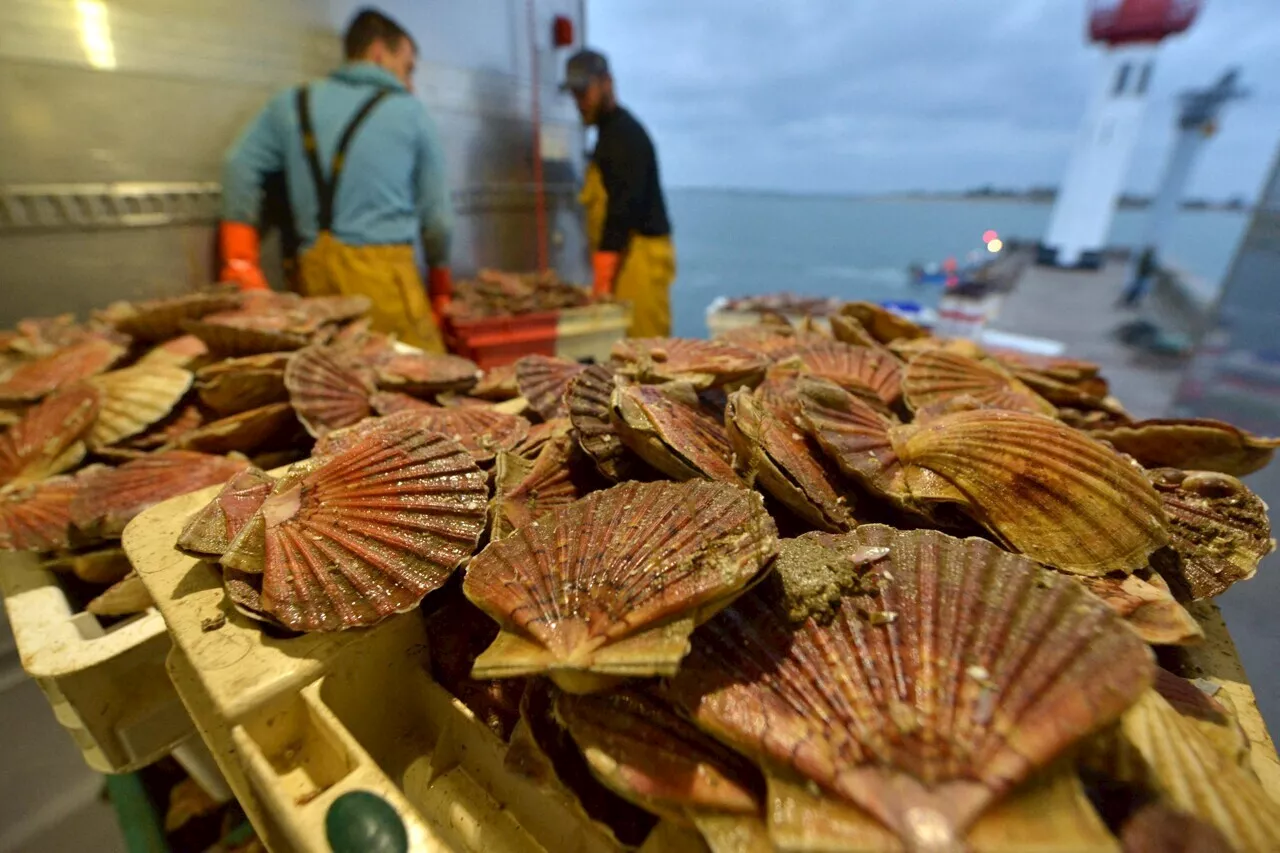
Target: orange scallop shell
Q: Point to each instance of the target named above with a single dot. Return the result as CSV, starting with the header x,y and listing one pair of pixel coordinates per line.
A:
x,y
525,489
249,331
213,528
542,381
32,380
327,392
589,398
184,351
46,441
669,428
1192,444
768,339
133,399
855,435
239,384
158,320
37,517
481,430
254,431
935,377
701,363
426,373
857,369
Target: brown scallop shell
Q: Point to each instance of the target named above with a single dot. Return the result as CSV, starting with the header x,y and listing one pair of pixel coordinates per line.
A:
x,y
212,529
426,373
542,381
37,517
125,597
612,585
881,323
46,441
1061,368
590,398
32,380
103,566
855,435
482,431
525,489
856,369
326,392
935,377
1197,444
702,364
247,432
916,676
249,331
540,434
1158,749
348,540
778,457
497,383
162,434
668,427
184,351
158,320
108,498
1156,828
239,384
1064,395
1218,531
1143,600
133,399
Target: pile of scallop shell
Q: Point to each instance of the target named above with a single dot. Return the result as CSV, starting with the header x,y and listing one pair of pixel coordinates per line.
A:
x,y
865,590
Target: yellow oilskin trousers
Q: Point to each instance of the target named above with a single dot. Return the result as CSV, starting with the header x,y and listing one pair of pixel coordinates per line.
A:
x,y
648,265
388,275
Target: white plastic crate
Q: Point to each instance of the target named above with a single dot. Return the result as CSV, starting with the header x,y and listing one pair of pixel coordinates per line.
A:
x,y
592,330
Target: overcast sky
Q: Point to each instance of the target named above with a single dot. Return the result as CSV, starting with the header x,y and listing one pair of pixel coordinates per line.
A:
x,y
847,96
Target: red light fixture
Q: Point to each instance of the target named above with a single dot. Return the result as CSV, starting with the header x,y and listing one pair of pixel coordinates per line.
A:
x,y
561,31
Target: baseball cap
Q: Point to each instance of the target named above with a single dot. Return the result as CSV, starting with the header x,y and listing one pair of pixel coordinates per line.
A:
x,y
583,67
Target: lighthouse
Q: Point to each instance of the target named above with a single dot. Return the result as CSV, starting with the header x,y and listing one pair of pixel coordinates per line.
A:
x,y
1130,33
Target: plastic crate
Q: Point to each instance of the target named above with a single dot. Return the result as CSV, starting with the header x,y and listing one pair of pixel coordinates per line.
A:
x,y
577,333
107,685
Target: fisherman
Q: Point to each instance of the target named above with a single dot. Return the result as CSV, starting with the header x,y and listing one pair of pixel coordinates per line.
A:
x,y
365,175
627,226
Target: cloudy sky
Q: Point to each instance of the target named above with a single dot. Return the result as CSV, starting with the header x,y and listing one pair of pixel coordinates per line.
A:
x,y
846,96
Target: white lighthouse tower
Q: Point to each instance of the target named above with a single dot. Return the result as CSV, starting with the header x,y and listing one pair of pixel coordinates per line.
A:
x,y
1130,32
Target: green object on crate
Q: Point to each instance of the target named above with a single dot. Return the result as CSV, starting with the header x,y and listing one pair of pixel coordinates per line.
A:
x,y
139,823
362,822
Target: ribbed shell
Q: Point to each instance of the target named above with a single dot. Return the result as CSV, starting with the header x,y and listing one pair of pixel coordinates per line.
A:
x,y
334,309
767,340
162,434
32,380
1192,444
525,489
359,536
701,363
1148,607
126,596
212,529
778,457
668,428
425,373
1062,394
542,381
613,583
247,432
161,319
1212,718
854,435
109,498
239,384
856,369
1218,531
482,431
540,434
881,323
920,684
46,441
589,398
638,747
1068,370
1159,749
497,383
133,399
935,377
183,351
327,393
849,330
246,332
37,517
1045,489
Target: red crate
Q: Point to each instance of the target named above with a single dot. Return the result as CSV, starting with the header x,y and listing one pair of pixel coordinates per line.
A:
x,y
501,340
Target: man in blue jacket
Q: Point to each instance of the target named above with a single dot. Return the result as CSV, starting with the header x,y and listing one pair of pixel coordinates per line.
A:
x,y
365,175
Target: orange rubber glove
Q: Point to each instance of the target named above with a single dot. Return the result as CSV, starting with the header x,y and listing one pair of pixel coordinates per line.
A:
x,y
605,267
440,288
240,262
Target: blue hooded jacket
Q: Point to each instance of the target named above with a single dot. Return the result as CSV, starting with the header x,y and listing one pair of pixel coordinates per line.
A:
x,y
392,187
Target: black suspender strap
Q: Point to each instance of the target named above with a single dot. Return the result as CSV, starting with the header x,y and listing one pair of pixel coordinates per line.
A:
x,y
327,189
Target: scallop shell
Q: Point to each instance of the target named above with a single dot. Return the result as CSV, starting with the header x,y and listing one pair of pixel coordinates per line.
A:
x,y
482,431
1212,718
326,393
1196,444
700,363
881,323
334,309
158,320
1092,419
849,330
246,332
37,517
639,748
1159,829
856,369
212,529
855,435
46,441
247,432
1157,748
497,383
612,585
348,540
540,434
778,457
133,399
542,381
425,373
914,675
32,380
524,489
1068,370
184,351
126,596
935,377
1062,394
162,434
767,340
1218,531
109,498
239,384
104,566
668,428
589,398
1147,607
